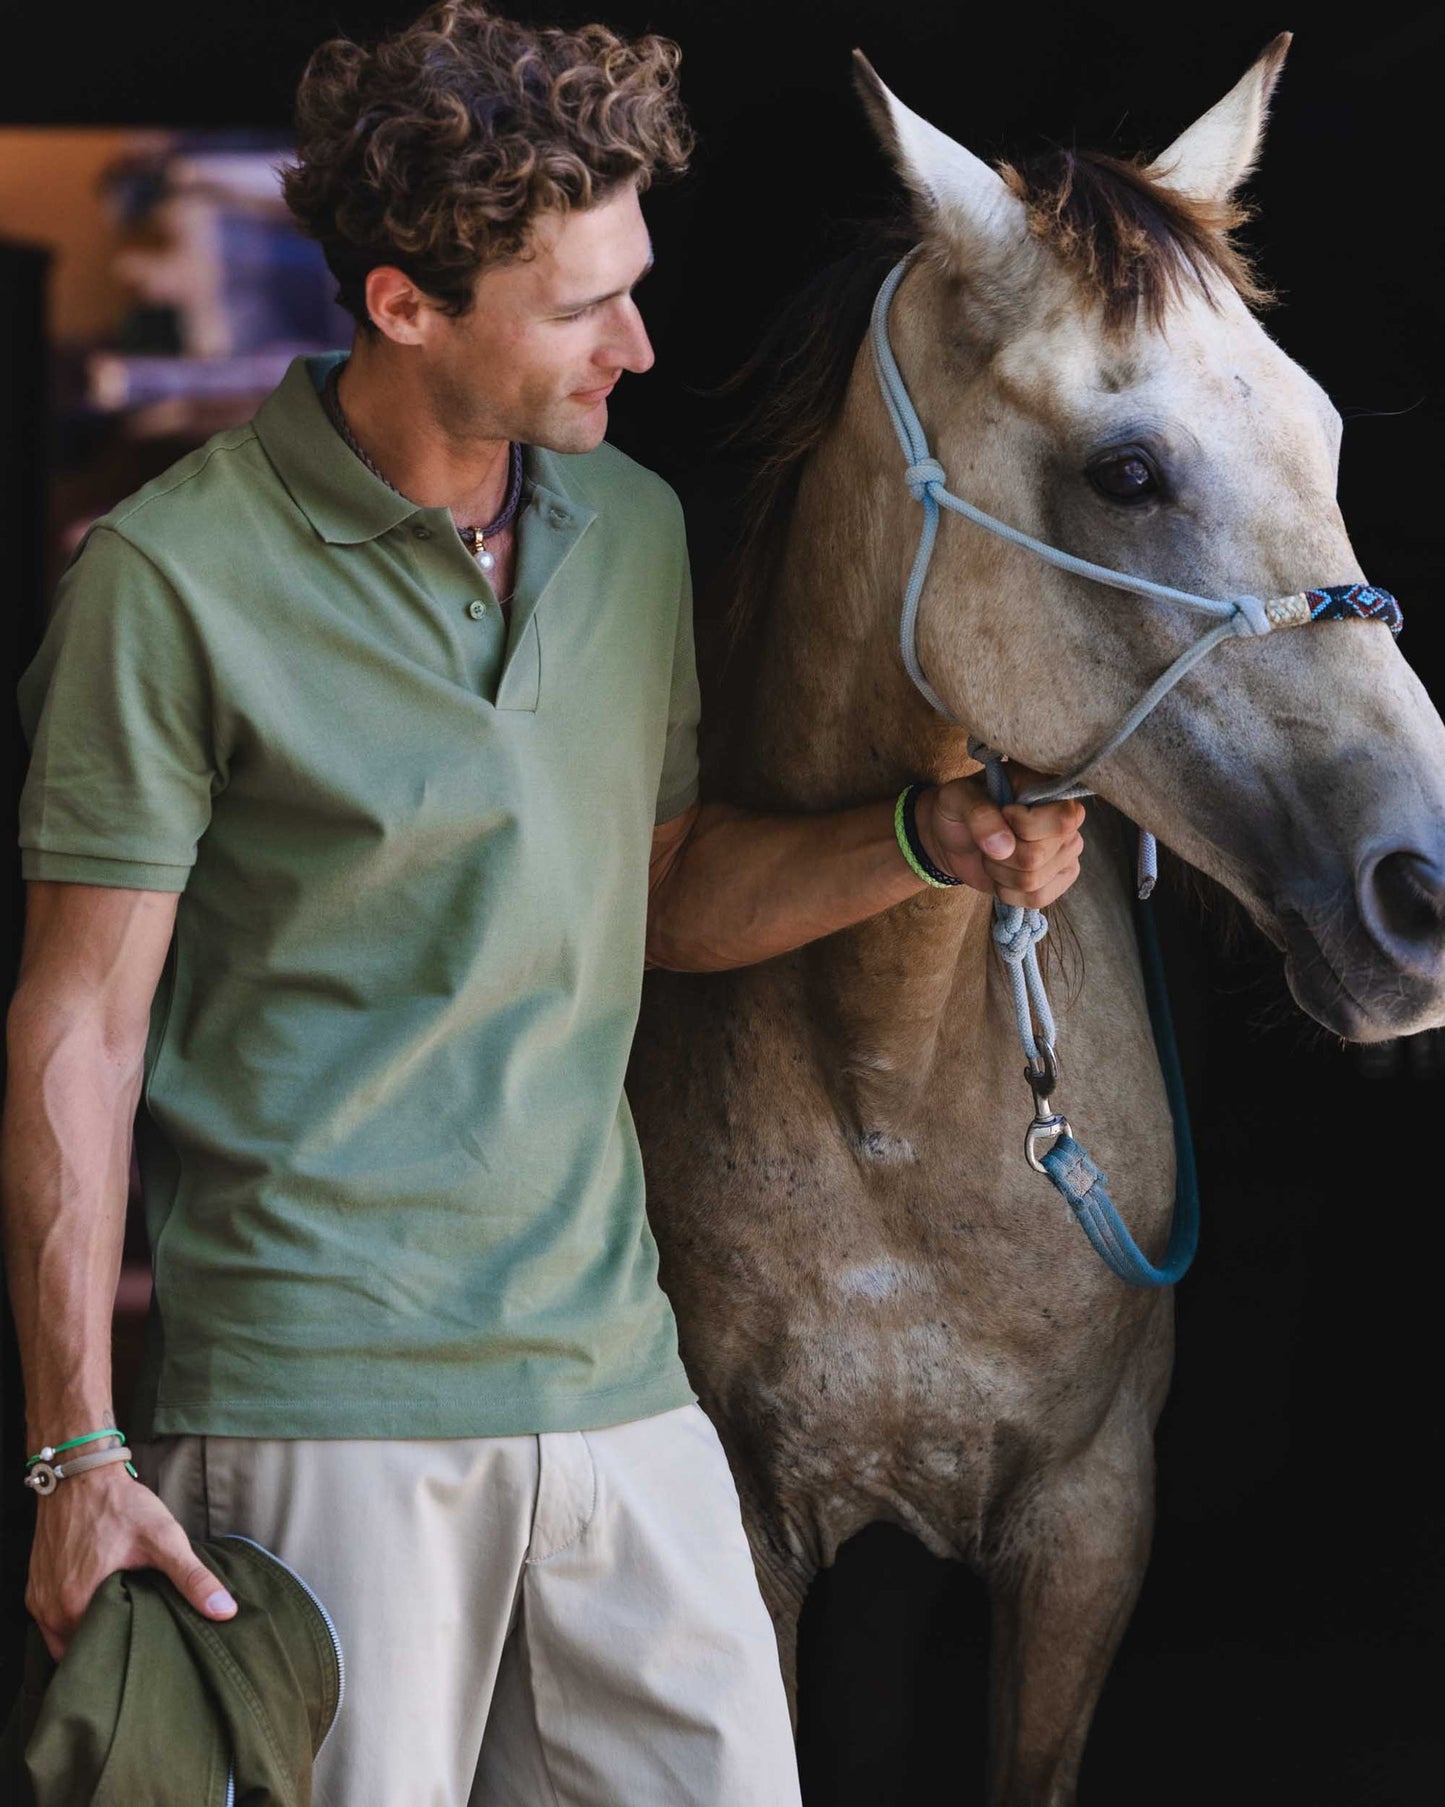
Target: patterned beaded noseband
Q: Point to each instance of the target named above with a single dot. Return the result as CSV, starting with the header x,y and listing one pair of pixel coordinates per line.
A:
x,y
1050,1146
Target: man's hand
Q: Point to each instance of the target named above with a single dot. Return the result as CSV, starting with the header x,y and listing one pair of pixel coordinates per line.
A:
x,y
728,888
76,1033
1022,856
94,1524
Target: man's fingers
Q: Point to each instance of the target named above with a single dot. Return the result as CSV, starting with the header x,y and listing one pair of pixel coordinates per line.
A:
x,y
1033,883
1008,879
964,821
1045,821
102,1525
1040,897
1033,893
1024,856
1033,863
1038,900
59,1620
175,1558
206,1592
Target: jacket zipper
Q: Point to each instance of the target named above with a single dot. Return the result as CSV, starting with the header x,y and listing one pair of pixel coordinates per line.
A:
x,y
316,1601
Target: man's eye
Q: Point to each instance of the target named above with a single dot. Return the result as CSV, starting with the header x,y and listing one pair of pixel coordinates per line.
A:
x,y
581,314
1124,477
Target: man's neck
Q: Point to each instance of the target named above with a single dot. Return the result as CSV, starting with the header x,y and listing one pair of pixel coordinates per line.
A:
x,y
392,420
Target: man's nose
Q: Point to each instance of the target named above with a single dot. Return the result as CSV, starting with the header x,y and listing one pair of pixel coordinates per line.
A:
x,y
632,349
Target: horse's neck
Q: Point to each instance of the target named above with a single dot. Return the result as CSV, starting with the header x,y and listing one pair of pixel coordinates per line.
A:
x,y
835,721
833,717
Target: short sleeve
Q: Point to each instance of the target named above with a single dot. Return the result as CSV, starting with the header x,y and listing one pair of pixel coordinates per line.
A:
x,y
117,710
677,788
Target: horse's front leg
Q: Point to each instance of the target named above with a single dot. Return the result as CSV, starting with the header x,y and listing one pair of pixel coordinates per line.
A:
x,y
1064,1583
785,1573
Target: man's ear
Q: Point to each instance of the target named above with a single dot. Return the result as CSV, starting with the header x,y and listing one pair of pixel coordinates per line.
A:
x,y
396,305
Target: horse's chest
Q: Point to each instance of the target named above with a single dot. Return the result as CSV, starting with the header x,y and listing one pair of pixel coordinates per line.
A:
x,y
890,1401
895,1332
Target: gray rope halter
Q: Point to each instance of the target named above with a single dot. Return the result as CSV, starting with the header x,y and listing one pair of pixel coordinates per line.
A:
x,y
1018,932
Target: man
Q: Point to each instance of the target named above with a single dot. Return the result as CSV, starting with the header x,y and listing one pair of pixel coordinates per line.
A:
x,y
364,783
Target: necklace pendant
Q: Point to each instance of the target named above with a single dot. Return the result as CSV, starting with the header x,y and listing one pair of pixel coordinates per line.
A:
x,y
484,558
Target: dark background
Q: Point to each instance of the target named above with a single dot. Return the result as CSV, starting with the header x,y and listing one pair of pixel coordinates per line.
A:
x,y
1287,1637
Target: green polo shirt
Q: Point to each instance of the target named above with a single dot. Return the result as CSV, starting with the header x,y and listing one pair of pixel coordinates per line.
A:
x,y
391,1180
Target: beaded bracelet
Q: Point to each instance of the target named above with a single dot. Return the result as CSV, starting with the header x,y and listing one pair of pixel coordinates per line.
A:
x,y
910,844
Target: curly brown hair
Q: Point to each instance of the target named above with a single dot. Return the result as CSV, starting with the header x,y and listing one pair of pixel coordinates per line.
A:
x,y
435,149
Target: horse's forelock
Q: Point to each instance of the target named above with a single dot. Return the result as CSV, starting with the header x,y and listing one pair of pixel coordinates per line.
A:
x,y
1134,243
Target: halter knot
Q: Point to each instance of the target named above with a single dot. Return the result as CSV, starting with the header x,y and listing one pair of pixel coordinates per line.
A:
x,y
1251,616
920,476
1018,931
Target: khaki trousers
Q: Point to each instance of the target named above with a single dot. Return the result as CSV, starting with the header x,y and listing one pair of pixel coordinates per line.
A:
x,y
563,1620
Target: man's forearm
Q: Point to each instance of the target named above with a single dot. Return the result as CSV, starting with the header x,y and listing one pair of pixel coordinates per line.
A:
x,y
64,1168
744,887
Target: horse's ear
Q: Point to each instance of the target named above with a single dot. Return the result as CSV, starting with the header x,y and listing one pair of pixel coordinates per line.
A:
x,y
1211,159
956,195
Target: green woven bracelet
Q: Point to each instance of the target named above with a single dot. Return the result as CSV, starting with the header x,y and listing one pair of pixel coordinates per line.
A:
x,y
49,1452
902,838
921,866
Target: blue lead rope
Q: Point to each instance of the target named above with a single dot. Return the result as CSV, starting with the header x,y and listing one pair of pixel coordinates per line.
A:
x,y
1083,1186
1017,933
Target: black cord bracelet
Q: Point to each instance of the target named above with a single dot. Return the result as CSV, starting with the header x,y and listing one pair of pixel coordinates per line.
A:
x,y
934,874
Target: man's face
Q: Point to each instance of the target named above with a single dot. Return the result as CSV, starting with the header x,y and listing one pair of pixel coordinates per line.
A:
x,y
549,335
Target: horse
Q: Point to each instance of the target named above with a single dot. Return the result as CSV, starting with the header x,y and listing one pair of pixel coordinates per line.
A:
x,y
881,1306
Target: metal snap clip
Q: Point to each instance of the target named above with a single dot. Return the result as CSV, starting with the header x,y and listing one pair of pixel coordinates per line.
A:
x,y
1048,1124
1043,1075
1052,1127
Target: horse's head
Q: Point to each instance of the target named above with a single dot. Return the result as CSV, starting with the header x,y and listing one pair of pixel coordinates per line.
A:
x,y
1079,341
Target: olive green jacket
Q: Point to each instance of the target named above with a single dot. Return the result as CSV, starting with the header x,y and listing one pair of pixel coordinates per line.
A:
x,y
154,1704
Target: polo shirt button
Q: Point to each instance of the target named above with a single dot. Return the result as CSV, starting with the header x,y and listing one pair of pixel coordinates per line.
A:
x,y
476,610
421,533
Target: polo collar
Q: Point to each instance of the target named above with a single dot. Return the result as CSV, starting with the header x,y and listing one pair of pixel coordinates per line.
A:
x,y
345,502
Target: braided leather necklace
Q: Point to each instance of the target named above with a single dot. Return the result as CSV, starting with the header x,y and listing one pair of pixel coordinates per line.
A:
x,y
473,538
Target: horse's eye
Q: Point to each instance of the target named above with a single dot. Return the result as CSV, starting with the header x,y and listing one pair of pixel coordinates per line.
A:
x,y
1124,477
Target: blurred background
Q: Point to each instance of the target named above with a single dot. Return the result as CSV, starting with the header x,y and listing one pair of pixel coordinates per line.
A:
x,y
152,291
169,292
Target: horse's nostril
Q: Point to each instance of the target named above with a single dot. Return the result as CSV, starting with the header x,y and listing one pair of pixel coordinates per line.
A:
x,y
1403,900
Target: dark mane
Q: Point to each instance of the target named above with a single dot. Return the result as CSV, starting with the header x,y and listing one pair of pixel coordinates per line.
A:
x,y
1133,243
799,374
